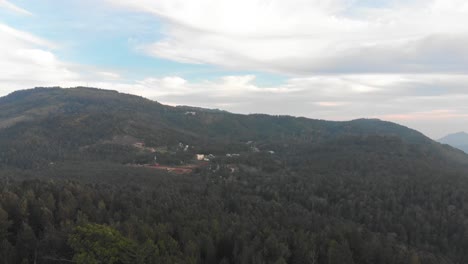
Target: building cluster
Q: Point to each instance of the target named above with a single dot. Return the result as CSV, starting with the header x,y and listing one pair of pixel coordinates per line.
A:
x,y
203,157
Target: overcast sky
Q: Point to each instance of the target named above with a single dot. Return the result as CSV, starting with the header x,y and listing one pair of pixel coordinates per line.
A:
x,y
403,61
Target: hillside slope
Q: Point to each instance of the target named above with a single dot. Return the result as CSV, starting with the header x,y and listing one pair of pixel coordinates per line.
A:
x,y
457,140
87,168
46,125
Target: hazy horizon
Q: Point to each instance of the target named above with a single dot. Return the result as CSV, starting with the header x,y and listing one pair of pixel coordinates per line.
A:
x,y
404,62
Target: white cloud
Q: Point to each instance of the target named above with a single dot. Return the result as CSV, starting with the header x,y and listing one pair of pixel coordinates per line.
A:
x,y
380,95
10,35
14,8
312,36
404,99
218,91
26,61
106,75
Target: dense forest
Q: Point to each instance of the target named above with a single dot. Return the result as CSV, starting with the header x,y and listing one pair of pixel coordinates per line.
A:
x,y
79,184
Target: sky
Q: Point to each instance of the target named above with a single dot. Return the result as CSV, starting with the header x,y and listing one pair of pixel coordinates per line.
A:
x,y
401,61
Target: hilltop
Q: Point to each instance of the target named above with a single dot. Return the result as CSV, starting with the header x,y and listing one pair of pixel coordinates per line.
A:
x,y
52,124
456,140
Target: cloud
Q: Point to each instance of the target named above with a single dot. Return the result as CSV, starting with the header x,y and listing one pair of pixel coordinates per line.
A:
x,y
220,91
406,99
106,75
10,35
301,37
26,61
339,97
14,8
329,104
428,115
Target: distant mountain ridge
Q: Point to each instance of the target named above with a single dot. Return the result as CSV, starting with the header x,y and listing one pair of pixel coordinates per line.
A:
x,y
44,125
457,140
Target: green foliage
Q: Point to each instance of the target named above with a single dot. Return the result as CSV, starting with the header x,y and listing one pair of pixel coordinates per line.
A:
x,y
339,253
415,259
94,243
4,224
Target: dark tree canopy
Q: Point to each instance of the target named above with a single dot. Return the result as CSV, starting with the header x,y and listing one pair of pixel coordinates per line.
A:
x,y
76,186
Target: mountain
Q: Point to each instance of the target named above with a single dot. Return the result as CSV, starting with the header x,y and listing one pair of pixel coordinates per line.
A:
x,y
46,125
457,140
96,176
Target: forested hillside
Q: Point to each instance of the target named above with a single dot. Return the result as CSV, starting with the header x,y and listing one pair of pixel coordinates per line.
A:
x,y
95,176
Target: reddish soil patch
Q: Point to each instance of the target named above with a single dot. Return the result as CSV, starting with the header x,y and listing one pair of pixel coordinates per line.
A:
x,y
175,169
